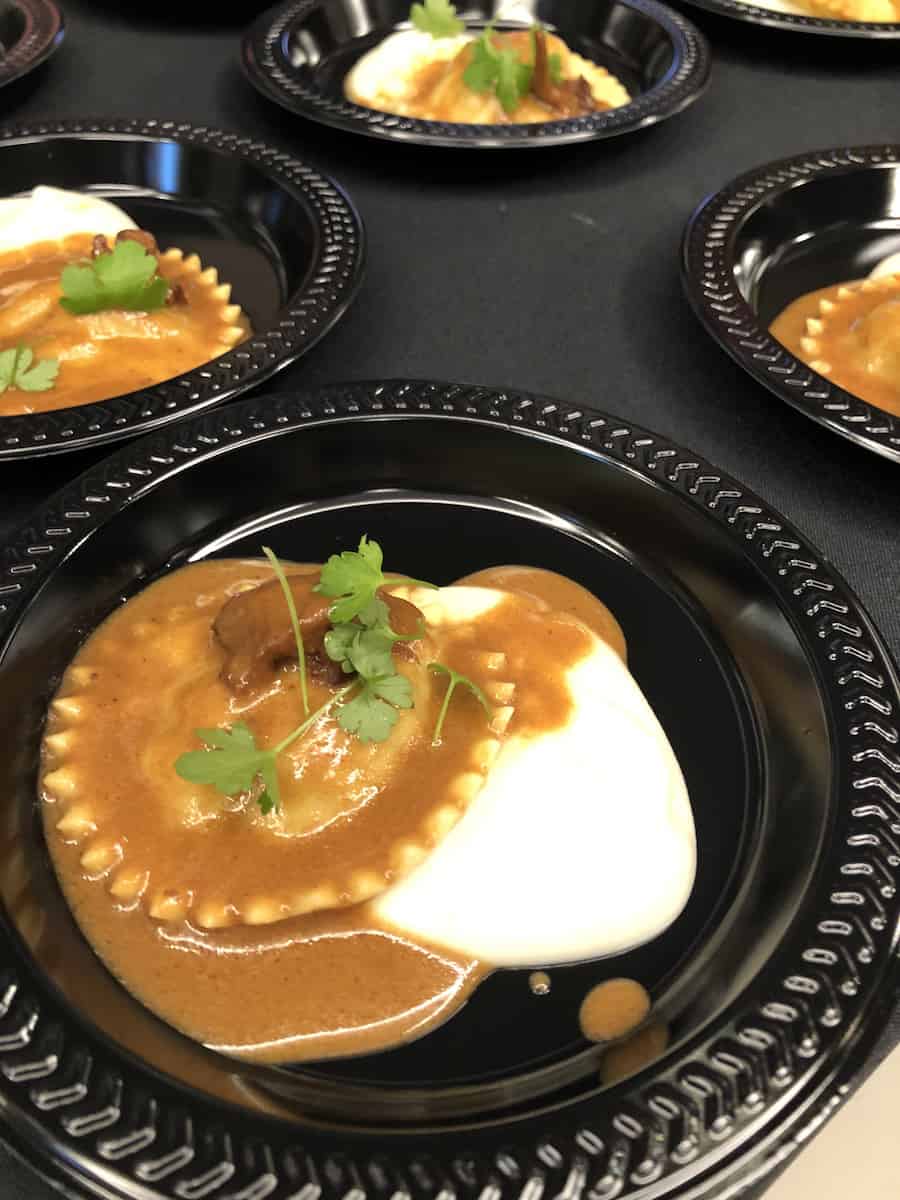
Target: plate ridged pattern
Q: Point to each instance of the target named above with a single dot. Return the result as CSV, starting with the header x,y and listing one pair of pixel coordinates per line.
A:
x,y
309,314
266,63
712,289
784,1029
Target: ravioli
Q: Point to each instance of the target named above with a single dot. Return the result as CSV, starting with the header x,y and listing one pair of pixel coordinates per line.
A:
x,y
114,351
850,333
415,75
354,816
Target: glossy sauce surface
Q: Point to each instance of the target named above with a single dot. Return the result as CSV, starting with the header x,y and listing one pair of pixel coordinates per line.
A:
x,y
101,354
613,1009
860,338
332,981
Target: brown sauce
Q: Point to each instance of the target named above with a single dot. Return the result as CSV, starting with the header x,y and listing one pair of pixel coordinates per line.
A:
x,y
634,1053
107,353
439,92
612,1009
859,340
558,593
329,982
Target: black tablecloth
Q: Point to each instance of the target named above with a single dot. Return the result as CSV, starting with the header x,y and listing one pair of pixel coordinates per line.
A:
x,y
553,271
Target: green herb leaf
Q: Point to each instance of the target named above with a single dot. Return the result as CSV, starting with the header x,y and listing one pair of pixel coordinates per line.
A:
x,y
437,17
368,717
232,764
454,678
481,73
352,578
376,614
269,798
16,370
124,278
554,65
513,80
295,623
396,689
338,642
370,654
498,69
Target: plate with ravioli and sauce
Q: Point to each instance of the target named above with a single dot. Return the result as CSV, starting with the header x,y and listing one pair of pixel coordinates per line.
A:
x,y
150,269
524,74
794,269
422,828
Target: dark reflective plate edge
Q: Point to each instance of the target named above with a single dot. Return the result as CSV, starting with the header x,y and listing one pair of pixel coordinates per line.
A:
x,y
776,1066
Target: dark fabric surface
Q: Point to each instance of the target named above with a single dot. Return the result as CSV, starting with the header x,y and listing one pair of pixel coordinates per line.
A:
x,y
555,272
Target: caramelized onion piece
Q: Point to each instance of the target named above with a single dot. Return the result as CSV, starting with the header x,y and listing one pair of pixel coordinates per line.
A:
x,y
142,237
569,97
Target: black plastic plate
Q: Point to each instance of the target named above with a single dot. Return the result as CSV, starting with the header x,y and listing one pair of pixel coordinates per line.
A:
x,y
783,229
287,239
299,53
775,691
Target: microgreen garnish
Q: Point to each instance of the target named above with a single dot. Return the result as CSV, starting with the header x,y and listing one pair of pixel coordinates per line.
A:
x,y
372,714
126,278
554,64
498,69
295,623
361,640
352,578
454,678
437,17
17,371
233,763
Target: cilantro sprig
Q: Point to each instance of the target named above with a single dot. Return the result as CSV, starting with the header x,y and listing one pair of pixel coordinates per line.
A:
x,y
233,763
18,369
126,278
295,623
352,578
454,679
372,713
437,17
498,69
361,640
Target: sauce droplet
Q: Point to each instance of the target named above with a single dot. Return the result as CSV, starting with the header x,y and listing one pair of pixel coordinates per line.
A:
x,y
612,1009
635,1053
539,982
